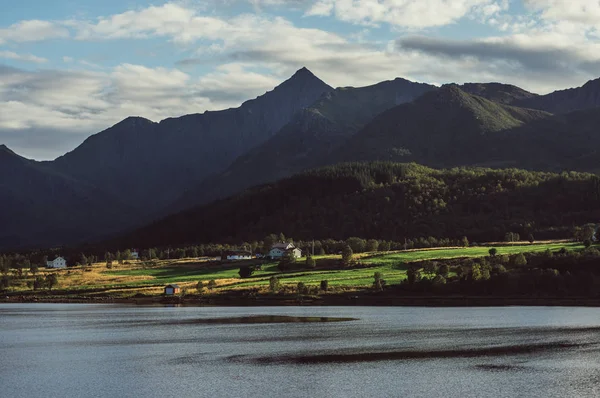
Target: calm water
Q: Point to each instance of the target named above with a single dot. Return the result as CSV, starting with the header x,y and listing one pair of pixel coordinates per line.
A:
x,y
62,350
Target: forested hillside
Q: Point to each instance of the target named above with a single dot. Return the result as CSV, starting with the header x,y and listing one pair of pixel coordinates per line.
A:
x,y
389,201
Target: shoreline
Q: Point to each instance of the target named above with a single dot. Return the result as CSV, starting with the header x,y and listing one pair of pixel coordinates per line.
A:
x,y
355,299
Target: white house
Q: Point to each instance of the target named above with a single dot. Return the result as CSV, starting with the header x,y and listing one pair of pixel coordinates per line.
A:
x,y
135,255
279,249
58,262
239,256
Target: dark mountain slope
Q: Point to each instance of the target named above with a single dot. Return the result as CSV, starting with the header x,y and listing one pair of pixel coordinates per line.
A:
x,y
447,127
151,164
40,207
388,201
563,101
307,141
498,92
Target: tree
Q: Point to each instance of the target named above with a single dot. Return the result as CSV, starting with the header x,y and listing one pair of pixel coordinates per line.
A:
x,y
83,260
3,265
493,251
246,271
372,245
384,246
324,285
587,243
33,268
444,270
347,255
109,264
126,255
274,284
39,282
379,282
310,262
357,245
519,260
5,282
413,275
51,281
212,284
464,242
200,287
439,280
512,237
302,288
530,238
287,260
429,267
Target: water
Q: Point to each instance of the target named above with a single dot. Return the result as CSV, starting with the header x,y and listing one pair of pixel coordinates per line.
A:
x,y
76,350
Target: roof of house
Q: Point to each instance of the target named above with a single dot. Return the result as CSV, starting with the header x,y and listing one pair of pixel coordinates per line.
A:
x,y
283,246
173,286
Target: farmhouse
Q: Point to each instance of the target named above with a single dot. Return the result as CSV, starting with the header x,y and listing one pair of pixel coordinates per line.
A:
x,y
135,254
58,262
279,249
238,255
172,289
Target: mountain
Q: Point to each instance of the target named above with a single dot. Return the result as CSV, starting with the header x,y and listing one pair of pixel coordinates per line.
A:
x,y
39,206
388,201
312,135
443,128
506,94
564,101
151,164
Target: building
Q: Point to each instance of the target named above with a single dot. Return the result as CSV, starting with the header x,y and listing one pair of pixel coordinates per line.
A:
x,y
279,249
238,255
58,262
171,290
135,254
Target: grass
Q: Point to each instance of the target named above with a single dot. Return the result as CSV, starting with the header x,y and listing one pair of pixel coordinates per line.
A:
x,y
129,279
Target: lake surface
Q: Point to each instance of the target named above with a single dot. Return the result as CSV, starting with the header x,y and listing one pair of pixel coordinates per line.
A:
x,y
77,350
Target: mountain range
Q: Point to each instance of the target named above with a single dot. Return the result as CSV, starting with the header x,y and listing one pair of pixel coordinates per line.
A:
x,y
139,171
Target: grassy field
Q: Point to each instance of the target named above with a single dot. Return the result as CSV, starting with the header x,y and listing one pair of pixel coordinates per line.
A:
x,y
129,279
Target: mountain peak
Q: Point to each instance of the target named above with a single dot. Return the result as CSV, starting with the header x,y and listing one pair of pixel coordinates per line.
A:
x,y
6,150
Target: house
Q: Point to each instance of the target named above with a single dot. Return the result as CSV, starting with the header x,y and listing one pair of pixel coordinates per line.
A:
x,y
58,262
135,254
238,255
170,290
279,249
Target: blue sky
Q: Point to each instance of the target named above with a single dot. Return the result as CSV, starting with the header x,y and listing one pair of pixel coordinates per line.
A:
x,y
71,68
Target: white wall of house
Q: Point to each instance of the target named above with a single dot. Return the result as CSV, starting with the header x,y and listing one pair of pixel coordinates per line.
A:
x,y
276,253
58,262
135,255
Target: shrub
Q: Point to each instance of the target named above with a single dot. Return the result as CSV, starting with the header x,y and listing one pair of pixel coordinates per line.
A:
x,y
493,251
200,287
246,271
310,262
302,288
347,255
274,284
324,285
379,282
212,284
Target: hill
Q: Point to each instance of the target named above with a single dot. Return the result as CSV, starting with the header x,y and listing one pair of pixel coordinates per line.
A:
x,y
151,164
39,205
388,201
498,92
307,141
444,128
564,101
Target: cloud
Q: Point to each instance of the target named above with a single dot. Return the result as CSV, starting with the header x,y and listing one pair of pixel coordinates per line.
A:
x,y
580,11
32,30
22,57
411,14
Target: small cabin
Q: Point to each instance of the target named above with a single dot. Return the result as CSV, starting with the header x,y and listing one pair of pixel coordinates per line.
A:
x,y
58,262
171,290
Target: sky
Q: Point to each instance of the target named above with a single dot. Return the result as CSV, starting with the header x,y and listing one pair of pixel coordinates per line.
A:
x,y
72,68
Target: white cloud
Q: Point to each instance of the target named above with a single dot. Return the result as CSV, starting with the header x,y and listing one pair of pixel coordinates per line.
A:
x,y
32,30
22,57
580,11
412,14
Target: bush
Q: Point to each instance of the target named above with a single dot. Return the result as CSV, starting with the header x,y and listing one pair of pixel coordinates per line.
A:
x,y
379,282
212,284
310,262
519,260
200,287
493,251
274,284
587,243
324,285
347,255
246,271
302,288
